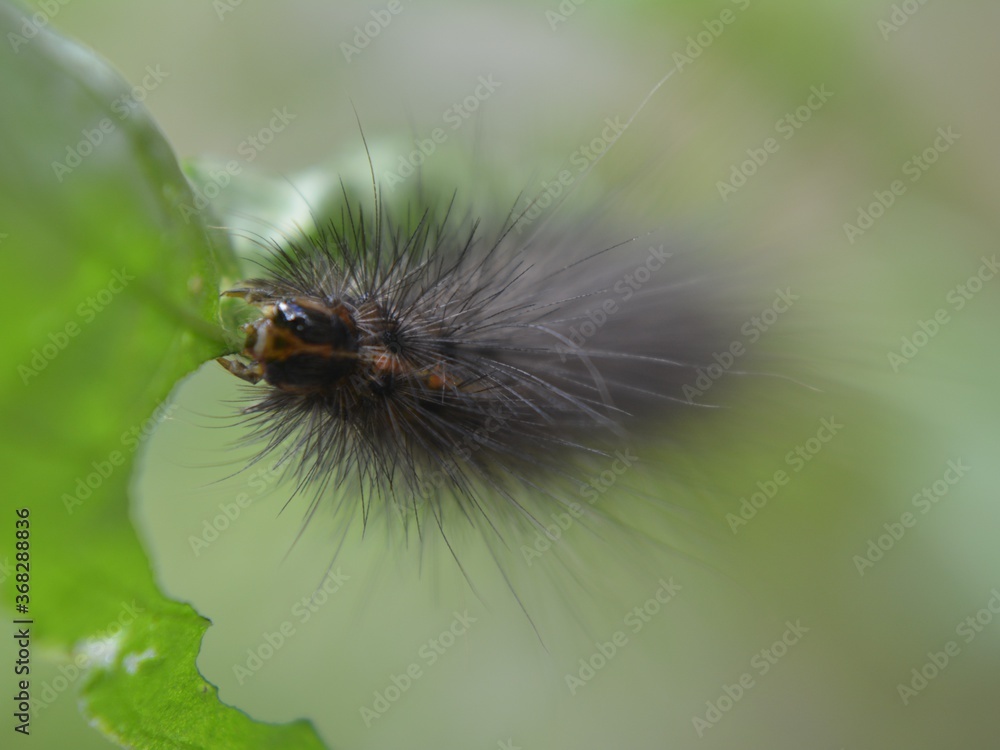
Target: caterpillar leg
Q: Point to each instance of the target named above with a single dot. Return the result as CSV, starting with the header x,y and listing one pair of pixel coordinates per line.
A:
x,y
250,373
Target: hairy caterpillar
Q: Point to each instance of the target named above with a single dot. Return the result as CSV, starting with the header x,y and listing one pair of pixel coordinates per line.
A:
x,y
425,366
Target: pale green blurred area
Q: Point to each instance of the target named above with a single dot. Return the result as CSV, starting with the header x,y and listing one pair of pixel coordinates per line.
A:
x,y
837,688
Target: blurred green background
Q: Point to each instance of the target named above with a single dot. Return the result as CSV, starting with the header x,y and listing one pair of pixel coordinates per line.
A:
x,y
893,77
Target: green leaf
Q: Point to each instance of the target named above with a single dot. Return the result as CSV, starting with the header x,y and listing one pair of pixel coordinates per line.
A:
x,y
111,291
176,708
